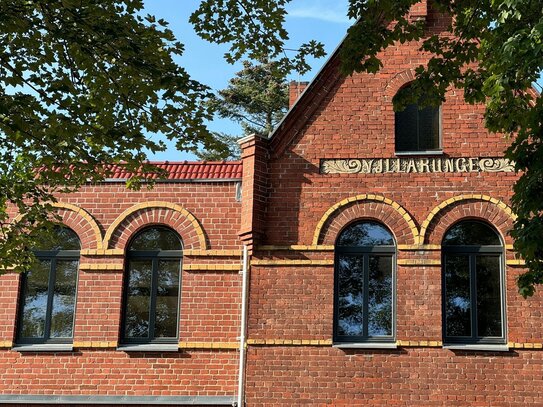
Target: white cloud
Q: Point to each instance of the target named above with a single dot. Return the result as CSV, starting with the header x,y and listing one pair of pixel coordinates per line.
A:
x,y
319,10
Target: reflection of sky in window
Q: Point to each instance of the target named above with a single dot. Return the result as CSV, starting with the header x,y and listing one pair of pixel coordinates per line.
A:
x,y
365,234
350,314
64,299
351,300
62,318
34,316
351,325
460,302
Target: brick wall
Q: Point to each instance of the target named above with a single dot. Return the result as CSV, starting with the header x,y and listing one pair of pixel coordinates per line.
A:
x,y
319,376
291,359
206,215
295,90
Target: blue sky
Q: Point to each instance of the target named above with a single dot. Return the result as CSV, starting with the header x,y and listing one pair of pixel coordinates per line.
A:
x,y
307,20
322,20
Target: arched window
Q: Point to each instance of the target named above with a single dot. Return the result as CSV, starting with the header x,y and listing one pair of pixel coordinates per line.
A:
x,y
48,290
473,280
418,130
364,284
152,281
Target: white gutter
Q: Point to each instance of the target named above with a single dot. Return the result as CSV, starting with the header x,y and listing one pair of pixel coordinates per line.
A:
x,y
243,328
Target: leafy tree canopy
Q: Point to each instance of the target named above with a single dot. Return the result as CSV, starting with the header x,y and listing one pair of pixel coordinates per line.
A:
x,y
81,82
495,55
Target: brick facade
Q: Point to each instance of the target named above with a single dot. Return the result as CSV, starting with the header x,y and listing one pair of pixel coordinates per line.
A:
x,y
206,215
292,358
290,216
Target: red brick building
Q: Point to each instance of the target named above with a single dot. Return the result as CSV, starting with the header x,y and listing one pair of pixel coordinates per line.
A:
x,y
381,269
109,356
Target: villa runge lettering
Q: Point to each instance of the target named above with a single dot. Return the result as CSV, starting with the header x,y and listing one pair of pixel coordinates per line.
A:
x,y
415,165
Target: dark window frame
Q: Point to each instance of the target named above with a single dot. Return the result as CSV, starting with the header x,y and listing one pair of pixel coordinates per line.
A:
x,y
53,256
472,252
417,149
154,256
365,252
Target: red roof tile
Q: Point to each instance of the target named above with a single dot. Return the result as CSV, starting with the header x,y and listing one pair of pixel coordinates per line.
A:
x,y
187,170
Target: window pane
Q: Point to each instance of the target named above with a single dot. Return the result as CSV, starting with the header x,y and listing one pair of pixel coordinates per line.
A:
x,y
158,238
489,311
62,238
471,233
62,314
380,296
35,300
429,129
406,129
350,298
365,234
457,296
167,299
138,301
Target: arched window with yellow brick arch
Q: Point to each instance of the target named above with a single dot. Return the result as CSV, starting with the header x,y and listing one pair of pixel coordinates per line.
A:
x,y
364,297
152,287
473,284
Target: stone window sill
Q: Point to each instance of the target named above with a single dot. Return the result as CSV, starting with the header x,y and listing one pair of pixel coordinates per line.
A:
x,y
44,347
418,153
477,347
366,345
149,347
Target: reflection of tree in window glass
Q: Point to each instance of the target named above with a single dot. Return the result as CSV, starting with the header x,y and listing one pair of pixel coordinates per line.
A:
x,y
488,296
365,234
364,281
166,302
158,238
62,313
61,238
380,296
457,296
35,300
417,127
471,233
49,289
152,290
138,299
350,299
473,295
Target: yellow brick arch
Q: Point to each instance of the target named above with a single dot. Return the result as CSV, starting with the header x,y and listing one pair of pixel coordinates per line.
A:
x,y
460,198
366,197
157,205
87,217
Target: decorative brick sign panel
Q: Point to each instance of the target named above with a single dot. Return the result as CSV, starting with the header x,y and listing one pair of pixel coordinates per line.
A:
x,y
415,165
